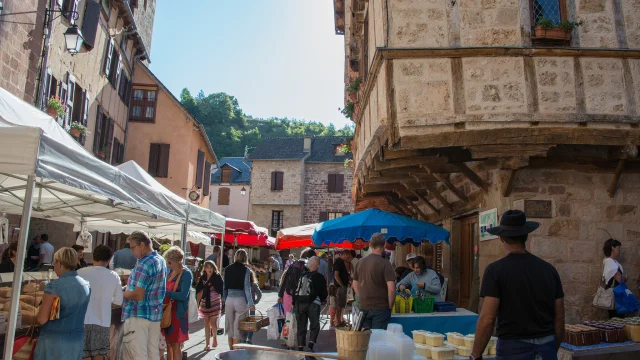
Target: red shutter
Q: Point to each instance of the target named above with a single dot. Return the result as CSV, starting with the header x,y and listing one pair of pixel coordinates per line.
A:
x,y
331,183
207,178
199,169
109,139
273,180
163,162
97,132
280,181
339,185
154,155
324,216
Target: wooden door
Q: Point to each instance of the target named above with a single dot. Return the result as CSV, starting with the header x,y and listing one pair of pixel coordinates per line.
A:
x,y
468,232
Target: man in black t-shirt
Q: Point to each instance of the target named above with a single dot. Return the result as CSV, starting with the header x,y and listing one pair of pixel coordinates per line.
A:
x,y
341,278
524,294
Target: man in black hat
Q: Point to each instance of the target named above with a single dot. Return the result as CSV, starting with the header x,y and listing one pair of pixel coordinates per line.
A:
x,y
524,293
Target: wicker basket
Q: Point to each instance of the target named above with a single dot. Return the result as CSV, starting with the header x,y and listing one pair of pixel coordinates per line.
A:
x,y
352,344
253,323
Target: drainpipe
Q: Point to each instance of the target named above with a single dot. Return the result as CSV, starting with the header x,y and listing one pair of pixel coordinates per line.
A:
x,y
48,29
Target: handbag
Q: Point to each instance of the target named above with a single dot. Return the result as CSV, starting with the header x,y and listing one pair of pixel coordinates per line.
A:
x,y
350,296
604,297
194,315
25,345
166,308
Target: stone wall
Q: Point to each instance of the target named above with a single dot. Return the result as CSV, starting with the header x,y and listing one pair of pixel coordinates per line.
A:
x,y
583,217
261,215
316,197
21,47
556,84
599,29
494,85
144,16
261,182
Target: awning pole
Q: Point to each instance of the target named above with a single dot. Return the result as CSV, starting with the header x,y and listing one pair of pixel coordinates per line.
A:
x,y
224,230
19,268
183,235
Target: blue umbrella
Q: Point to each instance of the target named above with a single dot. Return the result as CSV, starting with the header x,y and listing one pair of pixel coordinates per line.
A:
x,y
362,225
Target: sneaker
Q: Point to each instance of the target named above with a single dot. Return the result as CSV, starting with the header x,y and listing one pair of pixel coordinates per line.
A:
x,y
310,346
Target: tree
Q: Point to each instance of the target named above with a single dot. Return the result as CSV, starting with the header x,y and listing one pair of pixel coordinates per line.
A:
x,y
230,130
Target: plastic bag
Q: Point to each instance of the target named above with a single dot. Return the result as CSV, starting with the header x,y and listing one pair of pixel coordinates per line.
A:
x,y
272,330
350,296
280,314
626,302
290,330
193,307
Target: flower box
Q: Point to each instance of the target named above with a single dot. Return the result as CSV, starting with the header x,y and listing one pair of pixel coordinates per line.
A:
x,y
555,33
52,112
74,132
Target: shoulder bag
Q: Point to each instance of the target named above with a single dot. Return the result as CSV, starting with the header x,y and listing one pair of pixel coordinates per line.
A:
x,y
604,298
166,308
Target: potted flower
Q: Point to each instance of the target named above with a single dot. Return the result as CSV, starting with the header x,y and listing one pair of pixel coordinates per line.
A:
x,y
102,153
353,89
55,107
77,129
546,29
348,163
348,110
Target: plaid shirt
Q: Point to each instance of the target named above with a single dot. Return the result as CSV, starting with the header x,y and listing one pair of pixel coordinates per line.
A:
x,y
149,274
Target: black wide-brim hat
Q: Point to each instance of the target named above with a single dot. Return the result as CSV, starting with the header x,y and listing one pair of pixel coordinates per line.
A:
x,y
513,223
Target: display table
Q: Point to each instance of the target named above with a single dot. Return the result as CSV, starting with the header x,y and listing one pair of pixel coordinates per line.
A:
x,y
462,321
626,350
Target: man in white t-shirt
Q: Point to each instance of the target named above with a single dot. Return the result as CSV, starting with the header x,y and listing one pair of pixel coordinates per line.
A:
x,y
106,289
46,250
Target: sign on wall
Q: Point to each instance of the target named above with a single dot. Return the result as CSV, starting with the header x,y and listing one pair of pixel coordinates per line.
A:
x,y
488,219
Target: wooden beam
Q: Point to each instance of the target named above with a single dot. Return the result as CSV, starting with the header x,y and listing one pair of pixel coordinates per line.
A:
x,y
387,154
616,177
507,186
426,201
434,191
408,211
418,211
395,205
500,150
450,186
472,176
408,162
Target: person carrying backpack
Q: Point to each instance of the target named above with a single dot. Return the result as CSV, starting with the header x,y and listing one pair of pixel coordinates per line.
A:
x,y
291,278
310,294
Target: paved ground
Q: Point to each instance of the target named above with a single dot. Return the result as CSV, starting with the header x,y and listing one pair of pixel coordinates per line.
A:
x,y
195,345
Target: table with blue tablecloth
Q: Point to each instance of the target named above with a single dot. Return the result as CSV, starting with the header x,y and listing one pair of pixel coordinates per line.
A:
x,y
462,321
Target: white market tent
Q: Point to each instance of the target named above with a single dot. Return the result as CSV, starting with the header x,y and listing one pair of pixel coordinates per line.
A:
x,y
45,173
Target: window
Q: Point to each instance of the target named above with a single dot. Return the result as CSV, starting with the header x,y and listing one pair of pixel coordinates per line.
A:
x,y
124,88
159,160
116,156
103,135
338,150
143,105
199,169
71,95
277,181
207,178
225,178
116,68
223,196
277,221
108,56
324,216
334,215
335,183
553,10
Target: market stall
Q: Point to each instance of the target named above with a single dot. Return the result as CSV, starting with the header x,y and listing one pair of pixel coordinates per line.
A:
x,y
461,321
45,173
300,236
617,338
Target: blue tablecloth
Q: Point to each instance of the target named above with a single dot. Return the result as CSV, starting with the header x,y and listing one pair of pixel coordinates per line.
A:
x,y
462,321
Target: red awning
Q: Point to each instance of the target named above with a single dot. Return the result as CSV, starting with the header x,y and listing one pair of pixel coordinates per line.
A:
x,y
300,236
246,233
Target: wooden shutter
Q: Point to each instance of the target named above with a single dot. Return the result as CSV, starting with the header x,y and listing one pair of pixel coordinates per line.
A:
x,y
274,180
53,88
163,161
113,72
71,95
97,132
121,154
345,213
331,183
108,57
207,178
154,156
324,216
86,95
199,169
116,79
90,23
224,195
339,185
280,181
109,139
114,152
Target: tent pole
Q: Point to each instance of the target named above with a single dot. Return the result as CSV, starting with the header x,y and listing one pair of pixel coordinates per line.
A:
x,y
221,249
19,268
183,235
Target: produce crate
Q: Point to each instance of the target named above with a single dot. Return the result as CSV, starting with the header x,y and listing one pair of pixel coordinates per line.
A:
x,y
402,305
424,305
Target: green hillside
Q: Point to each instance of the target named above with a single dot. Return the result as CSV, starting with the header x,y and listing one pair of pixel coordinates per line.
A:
x,y
230,130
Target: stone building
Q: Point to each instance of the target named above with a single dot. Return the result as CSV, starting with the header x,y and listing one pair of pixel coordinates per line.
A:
x,y
299,180
167,140
467,107
230,188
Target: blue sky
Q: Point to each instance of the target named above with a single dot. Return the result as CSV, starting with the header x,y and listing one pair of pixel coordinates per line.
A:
x,y
278,57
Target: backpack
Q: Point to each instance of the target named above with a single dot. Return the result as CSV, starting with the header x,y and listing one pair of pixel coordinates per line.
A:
x,y
304,292
293,276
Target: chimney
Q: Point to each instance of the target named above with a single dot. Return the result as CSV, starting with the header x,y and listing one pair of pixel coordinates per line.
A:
x,y
307,144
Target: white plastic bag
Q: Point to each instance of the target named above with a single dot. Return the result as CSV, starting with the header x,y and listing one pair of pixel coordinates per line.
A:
x,y
193,307
272,330
290,330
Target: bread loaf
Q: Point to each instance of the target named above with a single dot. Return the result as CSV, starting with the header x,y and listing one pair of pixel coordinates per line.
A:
x,y
29,289
5,292
31,300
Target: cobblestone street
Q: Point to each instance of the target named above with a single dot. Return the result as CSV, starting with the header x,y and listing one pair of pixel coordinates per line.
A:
x,y
195,345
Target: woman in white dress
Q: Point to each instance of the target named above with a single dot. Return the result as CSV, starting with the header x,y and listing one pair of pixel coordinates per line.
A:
x,y
612,273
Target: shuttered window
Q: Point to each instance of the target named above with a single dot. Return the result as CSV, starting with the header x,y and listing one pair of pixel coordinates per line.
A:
x,y
108,57
97,131
90,23
143,104
207,178
224,195
277,181
324,216
277,221
199,169
116,67
225,178
70,97
121,154
159,160
335,183
115,153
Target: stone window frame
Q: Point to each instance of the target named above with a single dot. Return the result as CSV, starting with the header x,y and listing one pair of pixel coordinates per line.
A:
x,y
562,5
277,221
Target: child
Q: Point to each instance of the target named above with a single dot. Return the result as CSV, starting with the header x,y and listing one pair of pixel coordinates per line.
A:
x,y
257,295
332,305
210,303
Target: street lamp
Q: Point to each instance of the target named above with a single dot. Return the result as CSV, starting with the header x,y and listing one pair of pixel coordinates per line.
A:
x,y
243,191
74,39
